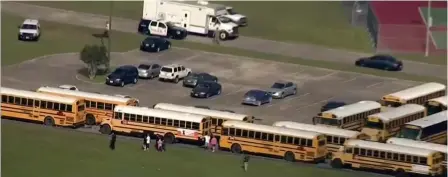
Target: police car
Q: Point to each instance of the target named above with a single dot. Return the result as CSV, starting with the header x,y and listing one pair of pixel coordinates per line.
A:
x,y
159,28
29,30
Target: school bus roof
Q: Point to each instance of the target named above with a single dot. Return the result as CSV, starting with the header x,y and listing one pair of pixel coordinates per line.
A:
x,y
271,129
418,91
429,120
36,95
317,128
144,111
81,94
418,144
389,147
442,100
201,111
399,112
354,108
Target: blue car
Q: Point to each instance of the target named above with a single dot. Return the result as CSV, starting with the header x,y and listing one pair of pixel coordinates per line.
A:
x,y
384,62
123,75
257,97
155,44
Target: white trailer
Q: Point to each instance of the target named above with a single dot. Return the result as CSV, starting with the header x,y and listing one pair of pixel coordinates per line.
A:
x,y
196,17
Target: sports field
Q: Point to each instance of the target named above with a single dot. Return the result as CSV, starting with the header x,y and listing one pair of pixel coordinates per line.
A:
x,y
320,23
38,151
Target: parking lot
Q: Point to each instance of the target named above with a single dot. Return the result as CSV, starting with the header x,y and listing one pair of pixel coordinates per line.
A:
x,y
237,75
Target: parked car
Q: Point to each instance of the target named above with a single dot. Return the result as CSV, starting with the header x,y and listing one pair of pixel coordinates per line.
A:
x,y
148,71
282,89
174,72
123,75
206,89
155,44
332,105
29,30
384,62
195,78
257,97
160,28
69,87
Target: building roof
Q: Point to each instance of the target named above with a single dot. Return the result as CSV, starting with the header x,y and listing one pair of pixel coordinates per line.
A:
x,y
271,129
36,95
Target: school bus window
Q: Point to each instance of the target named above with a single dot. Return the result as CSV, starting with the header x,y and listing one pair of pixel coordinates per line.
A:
x,y
257,135
329,139
69,108
408,158
126,116
189,125
270,137
395,156
23,101
283,139
175,122
290,140
342,141
423,160
214,121
100,105
17,101
132,117
232,132
220,121
93,104
309,143
348,150
108,106
382,154
169,121
56,106
43,104
237,132
151,120
182,124
10,99
139,118
4,98
369,152
363,152
196,126
375,153
245,132
30,102
225,131
87,104
356,151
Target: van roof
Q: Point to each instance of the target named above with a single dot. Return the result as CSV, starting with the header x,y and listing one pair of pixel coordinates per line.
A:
x,y
172,66
31,21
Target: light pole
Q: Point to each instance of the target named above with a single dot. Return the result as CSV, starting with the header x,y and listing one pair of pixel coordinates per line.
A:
x,y
428,26
110,30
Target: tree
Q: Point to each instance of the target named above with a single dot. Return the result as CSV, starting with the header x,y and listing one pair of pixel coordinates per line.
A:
x,y
95,56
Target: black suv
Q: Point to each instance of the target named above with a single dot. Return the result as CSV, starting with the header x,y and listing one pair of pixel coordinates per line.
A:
x,y
122,76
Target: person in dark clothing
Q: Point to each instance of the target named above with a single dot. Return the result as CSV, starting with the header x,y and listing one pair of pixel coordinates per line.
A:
x,y
246,162
113,139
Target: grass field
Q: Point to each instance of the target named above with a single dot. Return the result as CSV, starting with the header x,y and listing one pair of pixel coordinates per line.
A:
x,y
320,23
37,151
60,38
56,38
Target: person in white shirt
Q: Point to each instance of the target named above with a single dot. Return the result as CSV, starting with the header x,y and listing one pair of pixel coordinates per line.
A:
x,y
146,142
206,141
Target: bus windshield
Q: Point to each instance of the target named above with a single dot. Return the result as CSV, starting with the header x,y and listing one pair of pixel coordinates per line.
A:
x,y
391,104
433,109
409,133
374,125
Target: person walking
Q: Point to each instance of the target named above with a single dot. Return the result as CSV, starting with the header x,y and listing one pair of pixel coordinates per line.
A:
x,y
213,143
246,162
160,145
206,142
113,139
216,37
146,142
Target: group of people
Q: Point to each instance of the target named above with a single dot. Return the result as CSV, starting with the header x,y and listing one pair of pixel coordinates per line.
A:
x,y
160,144
210,142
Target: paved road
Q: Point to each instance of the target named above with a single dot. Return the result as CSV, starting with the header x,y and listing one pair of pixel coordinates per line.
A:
x,y
260,45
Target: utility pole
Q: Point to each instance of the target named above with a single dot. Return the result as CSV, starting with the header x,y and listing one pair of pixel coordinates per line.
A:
x,y
428,26
110,30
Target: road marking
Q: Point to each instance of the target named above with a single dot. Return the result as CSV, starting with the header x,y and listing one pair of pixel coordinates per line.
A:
x,y
328,75
287,100
375,84
349,80
298,109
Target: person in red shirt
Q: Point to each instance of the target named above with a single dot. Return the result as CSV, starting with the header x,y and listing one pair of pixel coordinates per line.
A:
x,y
213,143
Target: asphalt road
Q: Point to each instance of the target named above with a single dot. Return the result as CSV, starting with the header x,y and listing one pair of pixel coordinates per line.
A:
x,y
237,75
305,51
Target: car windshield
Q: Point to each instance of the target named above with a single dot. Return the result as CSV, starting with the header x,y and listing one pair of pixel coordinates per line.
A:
x,y
118,71
28,26
223,19
169,70
144,66
278,85
203,86
194,75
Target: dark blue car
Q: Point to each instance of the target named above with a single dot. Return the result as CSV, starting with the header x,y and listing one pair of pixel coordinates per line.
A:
x,y
163,29
332,105
384,62
155,44
257,97
122,76
206,89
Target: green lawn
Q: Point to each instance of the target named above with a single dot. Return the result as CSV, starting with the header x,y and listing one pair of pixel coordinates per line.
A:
x,y
320,23
56,38
37,151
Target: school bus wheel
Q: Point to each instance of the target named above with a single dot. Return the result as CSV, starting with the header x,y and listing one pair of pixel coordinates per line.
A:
x,y
336,163
169,138
236,148
105,129
49,121
90,119
289,156
401,173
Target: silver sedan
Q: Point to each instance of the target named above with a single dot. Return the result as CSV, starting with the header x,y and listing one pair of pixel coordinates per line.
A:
x,y
282,89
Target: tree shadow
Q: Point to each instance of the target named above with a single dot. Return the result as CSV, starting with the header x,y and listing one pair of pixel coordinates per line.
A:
x,y
85,72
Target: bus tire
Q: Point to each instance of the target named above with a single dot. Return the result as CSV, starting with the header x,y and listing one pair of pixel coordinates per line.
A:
x,y
90,119
49,121
236,148
336,163
169,138
401,173
105,129
290,157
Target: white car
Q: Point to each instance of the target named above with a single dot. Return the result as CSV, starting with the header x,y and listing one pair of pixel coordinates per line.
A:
x,y
29,30
69,87
174,72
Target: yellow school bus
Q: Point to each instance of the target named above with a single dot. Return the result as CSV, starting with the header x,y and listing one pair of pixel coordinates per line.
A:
x,y
417,95
170,124
48,109
276,141
421,144
431,129
98,106
350,117
436,105
381,126
335,136
217,117
401,160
